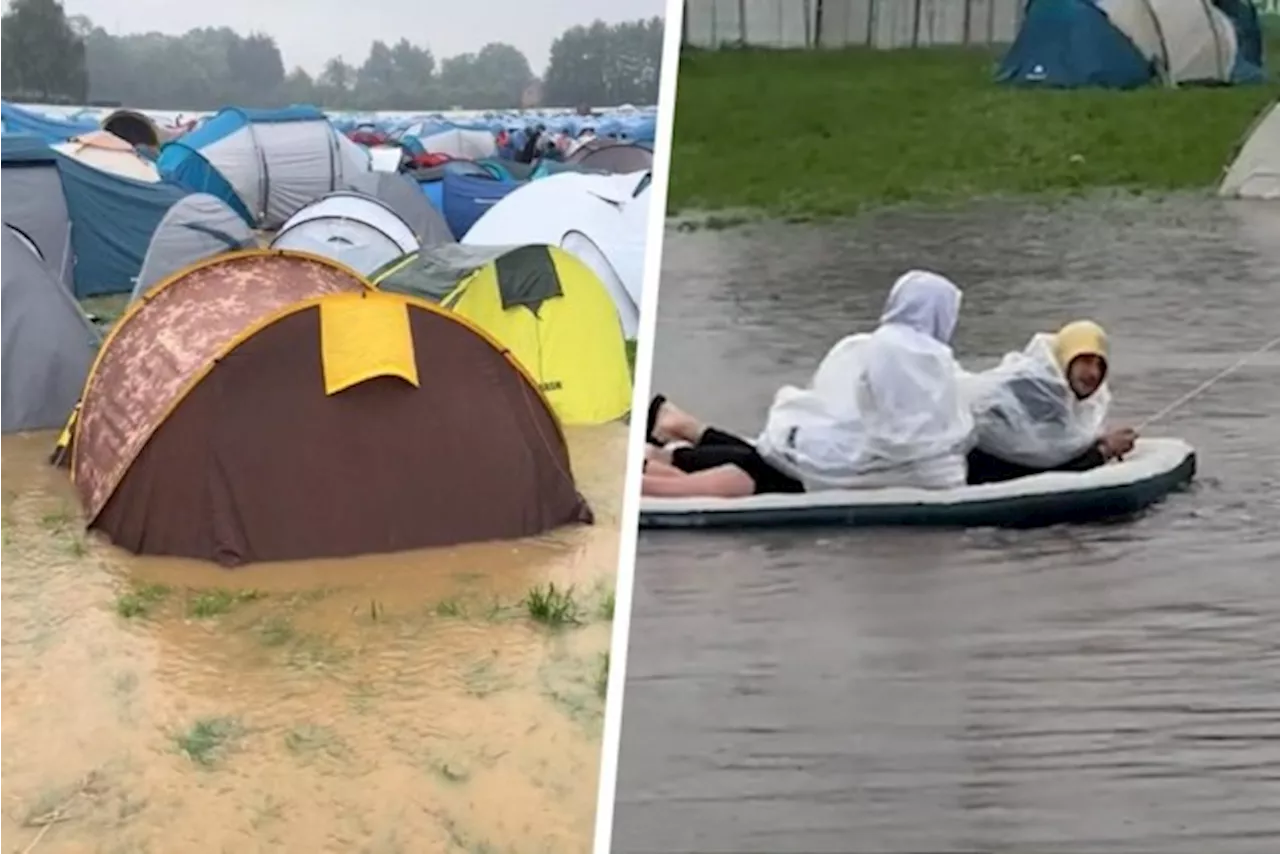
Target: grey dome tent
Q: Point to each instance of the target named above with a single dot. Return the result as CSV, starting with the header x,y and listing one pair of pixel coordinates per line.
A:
x,y
197,227
49,344
351,228
403,195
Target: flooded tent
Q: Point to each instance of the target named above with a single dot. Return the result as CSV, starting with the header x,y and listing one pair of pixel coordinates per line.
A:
x,y
402,194
350,228
545,306
108,152
350,423
48,342
135,128
602,219
197,227
1255,173
266,164
1123,44
613,158
466,198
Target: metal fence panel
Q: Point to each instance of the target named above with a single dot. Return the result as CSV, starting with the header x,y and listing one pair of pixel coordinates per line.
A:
x,y
850,23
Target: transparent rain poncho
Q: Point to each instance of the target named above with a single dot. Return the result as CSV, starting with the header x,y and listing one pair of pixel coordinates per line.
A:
x,y
1026,413
884,409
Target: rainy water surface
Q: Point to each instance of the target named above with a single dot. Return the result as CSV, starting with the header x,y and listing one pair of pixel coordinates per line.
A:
x,y
401,703
1103,689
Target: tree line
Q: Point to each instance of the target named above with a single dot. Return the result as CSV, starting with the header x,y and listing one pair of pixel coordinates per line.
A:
x,y
53,58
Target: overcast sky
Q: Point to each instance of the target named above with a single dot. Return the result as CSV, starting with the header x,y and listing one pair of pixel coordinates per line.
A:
x,y
309,32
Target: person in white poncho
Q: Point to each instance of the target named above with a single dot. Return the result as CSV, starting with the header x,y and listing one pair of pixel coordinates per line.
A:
x,y
1043,409
884,409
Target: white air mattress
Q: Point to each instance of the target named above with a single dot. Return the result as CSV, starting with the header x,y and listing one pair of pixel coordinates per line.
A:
x,y
1155,468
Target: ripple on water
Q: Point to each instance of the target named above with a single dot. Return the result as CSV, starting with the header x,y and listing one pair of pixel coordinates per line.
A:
x,y
385,704
1109,688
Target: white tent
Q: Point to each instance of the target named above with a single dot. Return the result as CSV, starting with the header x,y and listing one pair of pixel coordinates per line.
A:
x,y
599,218
1189,41
351,228
1255,173
108,152
463,144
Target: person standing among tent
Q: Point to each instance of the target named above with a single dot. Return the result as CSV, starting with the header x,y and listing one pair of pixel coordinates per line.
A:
x,y
884,409
1042,409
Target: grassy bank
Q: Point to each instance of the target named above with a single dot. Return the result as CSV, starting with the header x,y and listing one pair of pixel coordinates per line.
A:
x,y
817,133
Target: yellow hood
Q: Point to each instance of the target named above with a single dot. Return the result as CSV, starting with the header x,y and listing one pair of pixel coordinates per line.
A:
x,y
1079,338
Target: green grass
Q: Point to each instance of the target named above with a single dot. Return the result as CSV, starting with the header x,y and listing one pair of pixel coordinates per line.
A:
x,y
827,133
216,601
552,606
140,599
631,357
209,739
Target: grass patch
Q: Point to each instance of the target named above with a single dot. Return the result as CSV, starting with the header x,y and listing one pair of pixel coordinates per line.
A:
x,y
215,602
140,600
631,357
453,607
607,604
602,675
276,630
551,605
209,739
834,132
57,521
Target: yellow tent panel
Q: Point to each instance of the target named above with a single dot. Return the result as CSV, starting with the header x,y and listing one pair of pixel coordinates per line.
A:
x,y
571,342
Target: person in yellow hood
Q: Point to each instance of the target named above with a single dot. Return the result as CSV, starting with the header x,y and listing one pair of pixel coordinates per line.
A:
x,y
1044,409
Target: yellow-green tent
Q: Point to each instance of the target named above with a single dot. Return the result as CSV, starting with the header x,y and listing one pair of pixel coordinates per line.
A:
x,y
544,305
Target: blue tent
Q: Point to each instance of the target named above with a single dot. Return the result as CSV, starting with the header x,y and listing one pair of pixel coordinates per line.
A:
x,y
112,221
265,164
466,198
1124,44
47,128
93,228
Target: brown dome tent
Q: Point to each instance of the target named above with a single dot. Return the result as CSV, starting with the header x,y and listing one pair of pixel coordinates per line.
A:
x,y
348,421
135,128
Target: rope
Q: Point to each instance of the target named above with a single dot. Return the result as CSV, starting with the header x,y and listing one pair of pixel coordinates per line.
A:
x,y
1204,386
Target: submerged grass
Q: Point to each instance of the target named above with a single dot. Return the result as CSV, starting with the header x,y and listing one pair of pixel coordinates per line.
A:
x,y
216,601
140,600
552,606
818,133
208,740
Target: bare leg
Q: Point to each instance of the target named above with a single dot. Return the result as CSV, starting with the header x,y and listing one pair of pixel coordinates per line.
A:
x,y
722,482
657,468
673,424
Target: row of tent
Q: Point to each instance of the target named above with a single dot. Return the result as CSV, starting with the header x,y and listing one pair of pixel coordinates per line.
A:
x,y
1125,44
94,222
269,405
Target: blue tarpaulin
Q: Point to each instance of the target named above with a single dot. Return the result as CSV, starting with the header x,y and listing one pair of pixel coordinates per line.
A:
x,y
112,221
19,120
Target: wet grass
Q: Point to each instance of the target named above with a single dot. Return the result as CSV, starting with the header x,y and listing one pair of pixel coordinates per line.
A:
x,y
140,600
552,606
312,741
209,740
602,675
802,134
216,601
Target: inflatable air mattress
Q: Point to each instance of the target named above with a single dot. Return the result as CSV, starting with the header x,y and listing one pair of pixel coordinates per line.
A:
x,y
1155,468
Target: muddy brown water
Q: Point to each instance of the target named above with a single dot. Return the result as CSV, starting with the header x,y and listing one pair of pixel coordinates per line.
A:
x,y
399,703
1103,689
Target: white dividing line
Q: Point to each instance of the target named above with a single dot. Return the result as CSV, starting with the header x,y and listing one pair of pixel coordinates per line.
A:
x,y
612,736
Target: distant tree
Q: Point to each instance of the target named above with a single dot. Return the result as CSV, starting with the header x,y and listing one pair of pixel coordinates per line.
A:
x,y
605,65
40,54
212,67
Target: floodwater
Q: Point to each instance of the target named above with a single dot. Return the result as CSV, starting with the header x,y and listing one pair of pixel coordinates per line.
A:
x,y
400,703
1092,690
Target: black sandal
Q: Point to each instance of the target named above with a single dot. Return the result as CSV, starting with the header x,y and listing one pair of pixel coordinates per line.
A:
x,y
655,406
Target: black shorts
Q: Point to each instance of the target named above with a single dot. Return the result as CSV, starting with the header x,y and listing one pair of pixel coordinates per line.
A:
x,y
717,448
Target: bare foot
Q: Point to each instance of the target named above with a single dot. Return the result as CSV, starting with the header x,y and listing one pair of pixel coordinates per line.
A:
x,y
674,424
